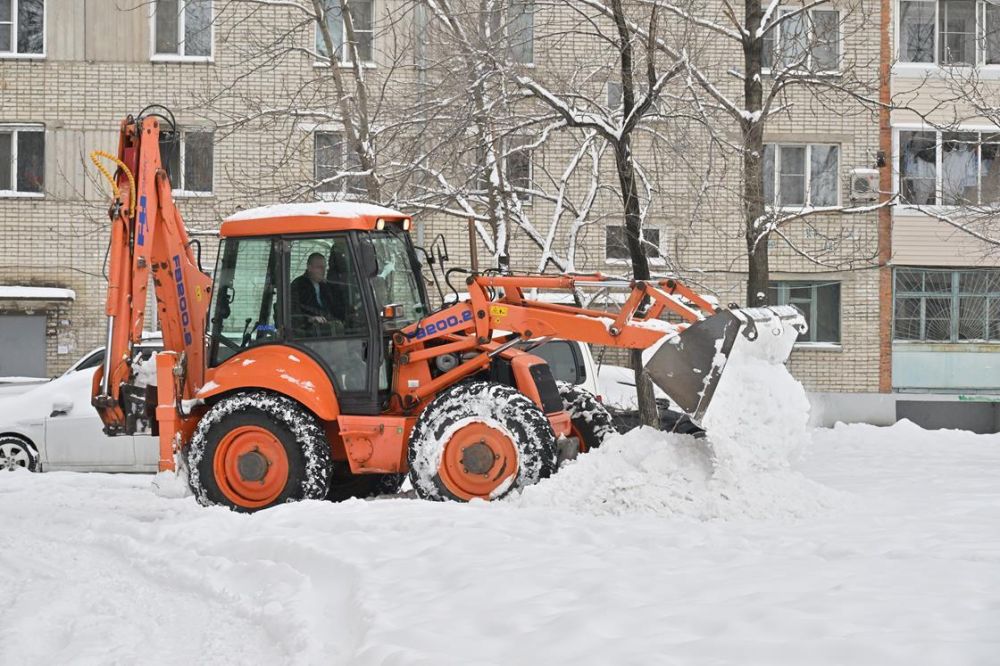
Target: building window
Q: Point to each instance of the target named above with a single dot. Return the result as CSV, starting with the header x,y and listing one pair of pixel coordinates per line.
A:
x,y
801,175
22,27
614,95
22,160
937,305
182,29
808,41
616,243
337,166
521,31
518,159
819,303
949,32
949,168
517,31
363,17
188,158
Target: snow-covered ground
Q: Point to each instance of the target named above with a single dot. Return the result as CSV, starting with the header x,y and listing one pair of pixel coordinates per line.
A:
x,y
894,559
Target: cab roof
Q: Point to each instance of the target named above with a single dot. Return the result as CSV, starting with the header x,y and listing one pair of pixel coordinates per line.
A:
x,y
314,217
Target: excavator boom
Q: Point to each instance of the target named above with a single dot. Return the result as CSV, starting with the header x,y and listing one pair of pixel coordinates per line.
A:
x,y
148,242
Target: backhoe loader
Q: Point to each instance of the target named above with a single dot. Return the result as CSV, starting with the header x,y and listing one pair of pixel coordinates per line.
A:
x,y
312,365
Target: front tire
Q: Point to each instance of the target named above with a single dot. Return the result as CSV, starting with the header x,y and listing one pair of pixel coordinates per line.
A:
x,y
480,440
17,453
591,421
255,449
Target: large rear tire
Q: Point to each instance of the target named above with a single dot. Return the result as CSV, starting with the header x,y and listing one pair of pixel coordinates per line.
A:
x,y
591,421
255,449
480,440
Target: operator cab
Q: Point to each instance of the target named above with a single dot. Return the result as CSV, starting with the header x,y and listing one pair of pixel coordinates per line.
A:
x,y
317,277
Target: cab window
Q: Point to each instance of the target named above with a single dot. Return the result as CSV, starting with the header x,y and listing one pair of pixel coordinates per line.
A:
x,y
246,303
327,308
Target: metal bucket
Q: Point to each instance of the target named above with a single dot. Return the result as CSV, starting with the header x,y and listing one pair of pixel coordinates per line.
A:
x,y
688,365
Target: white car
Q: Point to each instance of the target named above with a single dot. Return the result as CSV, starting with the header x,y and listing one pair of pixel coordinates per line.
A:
x,y
54,427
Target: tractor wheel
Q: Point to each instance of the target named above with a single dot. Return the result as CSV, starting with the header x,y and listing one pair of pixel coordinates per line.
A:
x,y
345,485
591,422
480,440
17,453
256,449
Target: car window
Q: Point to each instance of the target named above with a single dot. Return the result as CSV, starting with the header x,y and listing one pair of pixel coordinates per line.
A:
x,y
91,361
563,359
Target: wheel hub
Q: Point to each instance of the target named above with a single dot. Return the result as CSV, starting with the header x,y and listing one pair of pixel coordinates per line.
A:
x,y
252,466
478,458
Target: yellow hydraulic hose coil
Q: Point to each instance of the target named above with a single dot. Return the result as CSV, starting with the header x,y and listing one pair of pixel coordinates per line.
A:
x,y
94,157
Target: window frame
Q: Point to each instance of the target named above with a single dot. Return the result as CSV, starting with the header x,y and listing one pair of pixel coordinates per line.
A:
x,y
954,295
344,61
511,46
14,54
783,287
897,154
509,146
655,261
776,32
154,56
807,205
14,129
980,39
184,192
345,190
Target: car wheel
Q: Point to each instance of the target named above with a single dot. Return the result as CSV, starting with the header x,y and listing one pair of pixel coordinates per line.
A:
x,y
16,452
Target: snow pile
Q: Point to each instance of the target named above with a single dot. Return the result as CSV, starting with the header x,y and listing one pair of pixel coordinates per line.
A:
x,y
756,424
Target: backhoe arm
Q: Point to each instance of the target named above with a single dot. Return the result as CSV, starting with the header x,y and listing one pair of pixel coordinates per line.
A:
x,y
148,240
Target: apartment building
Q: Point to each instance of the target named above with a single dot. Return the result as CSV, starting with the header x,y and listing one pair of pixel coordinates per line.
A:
x,y
70,70
946,271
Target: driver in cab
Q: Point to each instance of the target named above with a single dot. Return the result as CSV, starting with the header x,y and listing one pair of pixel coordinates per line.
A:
x,y
317,309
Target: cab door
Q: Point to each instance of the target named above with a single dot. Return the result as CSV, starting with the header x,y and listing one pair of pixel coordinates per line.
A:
x,y
330,315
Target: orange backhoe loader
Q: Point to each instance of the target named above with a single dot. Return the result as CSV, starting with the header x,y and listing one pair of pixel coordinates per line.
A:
x,y
314,367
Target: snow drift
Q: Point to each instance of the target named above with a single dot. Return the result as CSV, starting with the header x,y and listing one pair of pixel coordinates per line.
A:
x,y
757,423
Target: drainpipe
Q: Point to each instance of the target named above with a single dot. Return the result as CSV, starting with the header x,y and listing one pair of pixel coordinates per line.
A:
x,y
885,212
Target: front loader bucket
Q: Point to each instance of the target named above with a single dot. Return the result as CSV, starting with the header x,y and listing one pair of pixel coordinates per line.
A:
x,y
687,366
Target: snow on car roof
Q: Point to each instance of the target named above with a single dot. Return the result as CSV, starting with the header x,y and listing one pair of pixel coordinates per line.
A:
x,y
315,208
36,293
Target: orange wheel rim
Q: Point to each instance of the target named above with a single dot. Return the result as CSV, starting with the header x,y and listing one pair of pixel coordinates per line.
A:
x,y
477,460
251,466
581,442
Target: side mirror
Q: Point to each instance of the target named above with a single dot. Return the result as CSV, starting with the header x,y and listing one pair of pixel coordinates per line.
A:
x,y
368,260
61,408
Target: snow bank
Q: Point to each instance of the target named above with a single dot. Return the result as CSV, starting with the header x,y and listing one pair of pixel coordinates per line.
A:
x,y
756,424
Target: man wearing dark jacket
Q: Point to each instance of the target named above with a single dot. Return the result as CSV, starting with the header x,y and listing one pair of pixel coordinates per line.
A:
x,y
317,307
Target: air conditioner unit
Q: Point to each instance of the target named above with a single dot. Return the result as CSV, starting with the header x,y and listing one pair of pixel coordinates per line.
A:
x,y
864,184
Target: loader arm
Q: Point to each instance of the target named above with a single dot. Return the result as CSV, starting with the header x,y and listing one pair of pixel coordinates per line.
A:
x,y
148,240
685,358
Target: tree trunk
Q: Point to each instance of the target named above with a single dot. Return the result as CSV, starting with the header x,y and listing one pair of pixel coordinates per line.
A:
x,y
646,398
752,128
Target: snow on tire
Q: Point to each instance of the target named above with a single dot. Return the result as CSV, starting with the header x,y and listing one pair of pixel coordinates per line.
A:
x,y
480,440
255,449
592,422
